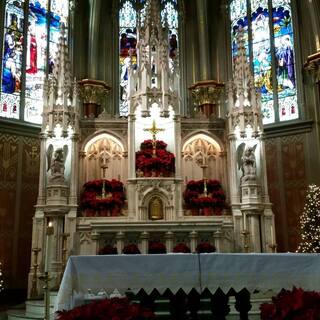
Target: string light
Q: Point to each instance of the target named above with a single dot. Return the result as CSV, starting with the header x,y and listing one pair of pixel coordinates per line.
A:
x,y
310,222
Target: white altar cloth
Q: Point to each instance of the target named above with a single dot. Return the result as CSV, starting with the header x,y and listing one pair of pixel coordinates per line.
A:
x,y
186,271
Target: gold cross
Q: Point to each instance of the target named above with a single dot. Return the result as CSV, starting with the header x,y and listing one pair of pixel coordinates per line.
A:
x,y
154,130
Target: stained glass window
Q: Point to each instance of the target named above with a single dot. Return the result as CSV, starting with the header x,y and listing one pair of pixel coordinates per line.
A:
x,y
12,60
42,26
128,38
271,45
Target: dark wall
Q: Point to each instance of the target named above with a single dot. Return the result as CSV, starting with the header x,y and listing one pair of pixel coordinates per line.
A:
x,y
19,175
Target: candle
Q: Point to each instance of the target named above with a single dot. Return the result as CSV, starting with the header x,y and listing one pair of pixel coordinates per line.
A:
x,y
49,233
271,232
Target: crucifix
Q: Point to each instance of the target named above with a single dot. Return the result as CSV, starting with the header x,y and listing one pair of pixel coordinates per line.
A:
x,y
154,130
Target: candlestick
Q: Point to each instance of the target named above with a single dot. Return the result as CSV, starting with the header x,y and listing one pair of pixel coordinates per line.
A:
x,y
271,232
49,234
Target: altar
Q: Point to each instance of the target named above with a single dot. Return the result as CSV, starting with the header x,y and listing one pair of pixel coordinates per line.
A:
x,y
186,271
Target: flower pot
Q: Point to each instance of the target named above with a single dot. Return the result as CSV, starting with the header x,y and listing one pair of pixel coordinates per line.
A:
x,y
195,212
104,213
115,211
217,211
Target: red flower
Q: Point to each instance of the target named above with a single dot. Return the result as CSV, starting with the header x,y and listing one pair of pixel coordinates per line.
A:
x,y
108,250
205,247
181,248
296,305
109,309
157,247
131,249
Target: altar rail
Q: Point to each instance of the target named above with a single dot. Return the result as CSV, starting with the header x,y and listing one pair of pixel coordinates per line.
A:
x,y
186,279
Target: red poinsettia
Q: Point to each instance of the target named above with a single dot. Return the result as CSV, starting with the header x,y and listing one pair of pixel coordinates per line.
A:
x,y
92,192
131,248
108,309
181,248
194,196
157,247
108,250
205,247
160,164
296,305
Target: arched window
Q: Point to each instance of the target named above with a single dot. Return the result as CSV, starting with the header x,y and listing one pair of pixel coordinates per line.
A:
x,y
270,48
128,15
30,37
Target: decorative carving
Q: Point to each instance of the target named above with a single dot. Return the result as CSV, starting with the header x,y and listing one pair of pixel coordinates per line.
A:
x,y
313,65
85,237
200,151
56,163
247,162
93,92
244,101
206,96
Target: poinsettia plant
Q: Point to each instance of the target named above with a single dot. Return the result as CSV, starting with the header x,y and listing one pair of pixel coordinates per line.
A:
x,y
108,309
181,248
131,248
195,195
295,304
108,249
157,247
92,199
205,247
162,163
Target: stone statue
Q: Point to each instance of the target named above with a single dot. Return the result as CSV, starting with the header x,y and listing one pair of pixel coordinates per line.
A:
x,y
247,162
56,163
155,209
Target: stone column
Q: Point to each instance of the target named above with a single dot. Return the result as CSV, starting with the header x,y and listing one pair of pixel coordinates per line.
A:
x,y
43,171
120,236
169,241
93,45
144,236
203,39
193,236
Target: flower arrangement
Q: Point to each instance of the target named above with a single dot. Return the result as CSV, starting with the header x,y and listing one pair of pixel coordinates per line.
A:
x,y
102,198
131,248
108,250
156,247
205,247
296,304
111,309
181,248
160,164
196,197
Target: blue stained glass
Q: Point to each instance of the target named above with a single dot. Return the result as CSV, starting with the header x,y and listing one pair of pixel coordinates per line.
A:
x,y
262,53
127,50
35,60
12,60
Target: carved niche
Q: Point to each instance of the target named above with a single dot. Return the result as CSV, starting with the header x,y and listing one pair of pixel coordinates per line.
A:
x,y
104,158
201,157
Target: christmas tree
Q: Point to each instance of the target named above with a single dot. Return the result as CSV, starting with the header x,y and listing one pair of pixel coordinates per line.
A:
x,y
310,222
1,281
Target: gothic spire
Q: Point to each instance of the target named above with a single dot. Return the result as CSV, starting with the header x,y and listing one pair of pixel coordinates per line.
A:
x,y
59,91
243,99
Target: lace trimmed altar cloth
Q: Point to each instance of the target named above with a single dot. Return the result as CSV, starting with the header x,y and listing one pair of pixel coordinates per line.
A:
x,y
186,271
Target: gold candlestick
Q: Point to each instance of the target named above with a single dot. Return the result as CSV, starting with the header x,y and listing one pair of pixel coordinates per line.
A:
x,y
34,290
103,192
245,234
64,253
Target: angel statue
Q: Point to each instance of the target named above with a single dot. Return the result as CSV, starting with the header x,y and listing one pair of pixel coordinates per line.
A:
x,y
247,162
56,162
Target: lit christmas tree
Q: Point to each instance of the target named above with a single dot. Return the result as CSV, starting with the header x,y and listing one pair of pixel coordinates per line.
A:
x,y
310,222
